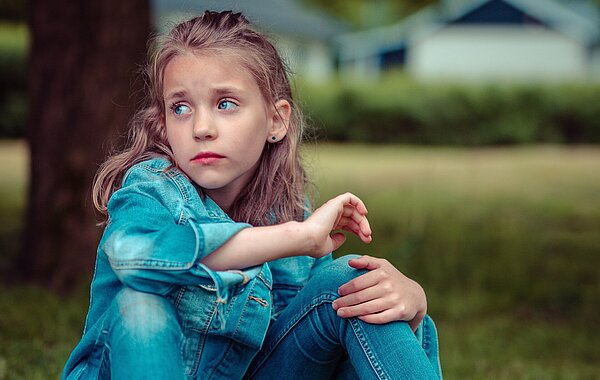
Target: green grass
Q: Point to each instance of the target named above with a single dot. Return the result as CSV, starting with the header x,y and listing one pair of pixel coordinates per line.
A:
x,y
38,331
522,224
14,38
506,242
13,169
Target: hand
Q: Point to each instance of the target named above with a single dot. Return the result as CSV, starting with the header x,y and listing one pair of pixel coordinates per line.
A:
x,y
382,295
344,212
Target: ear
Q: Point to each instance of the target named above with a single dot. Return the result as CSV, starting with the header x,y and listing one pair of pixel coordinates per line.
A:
x,y
280,119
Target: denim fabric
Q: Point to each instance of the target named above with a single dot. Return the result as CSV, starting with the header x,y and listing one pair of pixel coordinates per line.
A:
x,y
157,313
159,229
309,340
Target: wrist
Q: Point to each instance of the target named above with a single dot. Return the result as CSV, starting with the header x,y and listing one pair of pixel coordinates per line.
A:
x,y
305,239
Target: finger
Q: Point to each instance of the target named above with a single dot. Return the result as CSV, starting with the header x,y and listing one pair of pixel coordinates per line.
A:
x,y
360,262
358,218
385,316
416,321
365,308
359,283
353,212
356,298
365,227
337,240
366,262
354,201
346,221
351,226
349,212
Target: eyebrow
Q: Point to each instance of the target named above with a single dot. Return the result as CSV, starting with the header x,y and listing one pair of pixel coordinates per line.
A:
x,y
217,91
226,90
176,95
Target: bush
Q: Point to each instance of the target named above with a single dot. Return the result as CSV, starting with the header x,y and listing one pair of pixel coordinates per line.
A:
x,y
13,79
397,110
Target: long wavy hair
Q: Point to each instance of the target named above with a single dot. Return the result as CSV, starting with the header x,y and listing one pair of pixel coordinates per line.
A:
x,y
276,193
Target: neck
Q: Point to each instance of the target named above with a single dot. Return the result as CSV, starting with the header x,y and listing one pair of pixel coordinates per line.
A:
x,y
223,199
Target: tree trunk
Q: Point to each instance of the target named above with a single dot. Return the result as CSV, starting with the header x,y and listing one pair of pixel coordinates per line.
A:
x,y
84,56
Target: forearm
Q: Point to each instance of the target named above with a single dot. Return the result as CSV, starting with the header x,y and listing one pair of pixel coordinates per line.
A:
x,y
316,236
257,245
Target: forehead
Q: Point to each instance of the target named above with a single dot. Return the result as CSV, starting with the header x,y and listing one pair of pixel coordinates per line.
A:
x,y
206,69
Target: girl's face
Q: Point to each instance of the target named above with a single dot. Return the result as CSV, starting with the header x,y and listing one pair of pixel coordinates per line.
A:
x,y
217,122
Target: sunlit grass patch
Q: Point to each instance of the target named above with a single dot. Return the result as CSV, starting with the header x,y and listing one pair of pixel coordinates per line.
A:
x,y
13,172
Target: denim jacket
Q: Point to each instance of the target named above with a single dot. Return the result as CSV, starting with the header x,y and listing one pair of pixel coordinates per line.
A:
x,y
159,229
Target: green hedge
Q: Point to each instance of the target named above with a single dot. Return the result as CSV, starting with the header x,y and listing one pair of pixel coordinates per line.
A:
x,y
392,110
13,79
397,110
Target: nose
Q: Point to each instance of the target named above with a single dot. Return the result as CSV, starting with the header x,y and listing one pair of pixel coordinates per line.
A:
x,y
204,127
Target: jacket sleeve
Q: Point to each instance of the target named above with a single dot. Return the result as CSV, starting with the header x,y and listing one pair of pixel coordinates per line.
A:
x,y
153,248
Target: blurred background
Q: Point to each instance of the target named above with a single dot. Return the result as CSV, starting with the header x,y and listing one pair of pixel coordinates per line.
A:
x,y
469,128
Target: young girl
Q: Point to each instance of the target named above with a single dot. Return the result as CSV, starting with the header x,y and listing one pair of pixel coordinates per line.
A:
x,y
210,266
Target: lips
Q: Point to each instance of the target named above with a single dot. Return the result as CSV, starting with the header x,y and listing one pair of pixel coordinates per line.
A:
x,y
206,158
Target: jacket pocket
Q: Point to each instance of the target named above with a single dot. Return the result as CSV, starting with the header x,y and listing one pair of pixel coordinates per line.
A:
x,y
229,347
197,307
248,313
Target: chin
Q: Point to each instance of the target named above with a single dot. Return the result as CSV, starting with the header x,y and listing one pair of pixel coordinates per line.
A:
x,y
210,185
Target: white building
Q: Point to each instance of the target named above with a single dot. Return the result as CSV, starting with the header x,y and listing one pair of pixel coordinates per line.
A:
x,y
533,40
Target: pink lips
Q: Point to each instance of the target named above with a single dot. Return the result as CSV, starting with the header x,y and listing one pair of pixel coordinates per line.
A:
x,y
207,158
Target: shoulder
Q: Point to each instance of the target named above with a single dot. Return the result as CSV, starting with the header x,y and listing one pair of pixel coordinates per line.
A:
x,y
151,169
159,172
159,180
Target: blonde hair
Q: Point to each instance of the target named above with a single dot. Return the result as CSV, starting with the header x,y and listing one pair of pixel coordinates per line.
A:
x,y
276,193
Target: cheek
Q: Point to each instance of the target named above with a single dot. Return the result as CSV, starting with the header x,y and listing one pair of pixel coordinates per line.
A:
x,y
254,138
253,147
173,139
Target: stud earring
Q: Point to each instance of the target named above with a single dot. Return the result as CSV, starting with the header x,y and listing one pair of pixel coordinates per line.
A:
x,y
273,138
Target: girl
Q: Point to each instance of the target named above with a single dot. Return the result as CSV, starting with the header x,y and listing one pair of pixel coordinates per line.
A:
x,y
185,287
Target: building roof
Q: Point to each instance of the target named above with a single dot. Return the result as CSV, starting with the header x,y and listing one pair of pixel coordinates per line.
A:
x,y
576,21
282,17
573,20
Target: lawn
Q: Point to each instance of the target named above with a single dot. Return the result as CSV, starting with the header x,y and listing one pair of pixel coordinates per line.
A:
x,y
506,242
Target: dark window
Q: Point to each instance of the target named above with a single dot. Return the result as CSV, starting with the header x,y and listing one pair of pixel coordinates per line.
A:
x,y
393,58
497,12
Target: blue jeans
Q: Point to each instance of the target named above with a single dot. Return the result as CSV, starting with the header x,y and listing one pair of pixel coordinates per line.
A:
x,y
308,340
143,340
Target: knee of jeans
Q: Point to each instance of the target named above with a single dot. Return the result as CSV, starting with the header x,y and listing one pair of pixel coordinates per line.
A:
x,y
145,316
337,273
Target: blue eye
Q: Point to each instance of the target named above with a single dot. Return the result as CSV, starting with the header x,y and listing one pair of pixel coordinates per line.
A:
x,y
226,105
180,109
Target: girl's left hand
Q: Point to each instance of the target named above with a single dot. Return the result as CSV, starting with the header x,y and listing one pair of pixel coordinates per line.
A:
x,y
382,295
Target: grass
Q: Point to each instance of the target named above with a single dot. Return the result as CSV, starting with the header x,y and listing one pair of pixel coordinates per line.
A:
x,y
13,170
14,38
506,241
520,223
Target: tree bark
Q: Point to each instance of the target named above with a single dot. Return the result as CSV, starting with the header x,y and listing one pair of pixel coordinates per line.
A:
x,y
83,58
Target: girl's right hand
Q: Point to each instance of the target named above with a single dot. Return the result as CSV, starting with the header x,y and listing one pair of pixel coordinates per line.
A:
x,y
344,212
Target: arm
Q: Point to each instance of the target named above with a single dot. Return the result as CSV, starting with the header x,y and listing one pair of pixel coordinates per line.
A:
x,y
315,236
153,245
